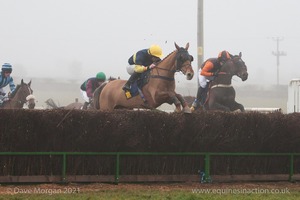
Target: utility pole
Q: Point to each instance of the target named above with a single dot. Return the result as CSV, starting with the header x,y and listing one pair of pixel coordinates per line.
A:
x,y
278,53
200,35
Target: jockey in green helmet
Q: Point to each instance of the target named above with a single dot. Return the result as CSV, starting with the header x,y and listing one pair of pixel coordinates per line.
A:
x,y
89,86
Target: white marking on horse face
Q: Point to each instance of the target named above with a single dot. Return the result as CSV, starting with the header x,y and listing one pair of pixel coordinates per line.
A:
x,y
29,90
30,97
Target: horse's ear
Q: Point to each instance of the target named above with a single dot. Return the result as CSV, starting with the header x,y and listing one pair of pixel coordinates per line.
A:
x,y
240,54
22,81
29,83
187,46
177,47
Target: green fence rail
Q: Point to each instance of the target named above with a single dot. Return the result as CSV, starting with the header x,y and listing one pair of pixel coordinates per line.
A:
x,y
118,155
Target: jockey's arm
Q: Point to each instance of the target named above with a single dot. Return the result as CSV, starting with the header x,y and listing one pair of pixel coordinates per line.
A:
x,y
207,68
89,88
12,85
140,68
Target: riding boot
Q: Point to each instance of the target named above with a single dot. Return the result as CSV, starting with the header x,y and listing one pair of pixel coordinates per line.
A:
x,y
204,95
199,97
199,101
131,80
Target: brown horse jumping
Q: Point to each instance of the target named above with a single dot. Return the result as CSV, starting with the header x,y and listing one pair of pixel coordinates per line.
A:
x,y
221,95
160,88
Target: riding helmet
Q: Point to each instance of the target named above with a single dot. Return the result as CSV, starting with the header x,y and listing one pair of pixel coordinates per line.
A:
x,y
155,50
101,76
6,67
224,56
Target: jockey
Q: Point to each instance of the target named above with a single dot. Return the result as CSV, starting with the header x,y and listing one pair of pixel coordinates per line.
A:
x,y
88,87
6,79
207,72
142,61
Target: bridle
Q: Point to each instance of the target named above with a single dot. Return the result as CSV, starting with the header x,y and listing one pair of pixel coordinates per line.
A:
x,y
239,62
182,56
23,94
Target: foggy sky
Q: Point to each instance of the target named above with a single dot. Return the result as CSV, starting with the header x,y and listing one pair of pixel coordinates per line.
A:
x,y
75,39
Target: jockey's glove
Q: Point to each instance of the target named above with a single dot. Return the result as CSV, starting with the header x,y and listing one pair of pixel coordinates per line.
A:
x,y
215,73
151,66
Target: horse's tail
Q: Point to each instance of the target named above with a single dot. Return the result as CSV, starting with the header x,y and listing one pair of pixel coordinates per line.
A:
x,y
97,93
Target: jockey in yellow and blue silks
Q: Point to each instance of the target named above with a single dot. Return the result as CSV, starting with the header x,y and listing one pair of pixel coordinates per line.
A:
x,y
142,61
6,79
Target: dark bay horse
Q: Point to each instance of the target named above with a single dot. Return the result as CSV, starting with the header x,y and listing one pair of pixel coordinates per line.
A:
x,y
221,95
21,95
160,88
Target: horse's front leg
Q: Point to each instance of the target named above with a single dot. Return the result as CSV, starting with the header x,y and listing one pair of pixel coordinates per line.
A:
x,y
237,106
218,106
185,106
174,100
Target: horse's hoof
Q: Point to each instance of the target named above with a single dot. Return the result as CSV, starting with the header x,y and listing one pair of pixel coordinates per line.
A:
x,y
177,110
187,110
237,111
192,109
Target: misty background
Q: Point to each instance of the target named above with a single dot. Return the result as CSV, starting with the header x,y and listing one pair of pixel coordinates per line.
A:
x,y
60,43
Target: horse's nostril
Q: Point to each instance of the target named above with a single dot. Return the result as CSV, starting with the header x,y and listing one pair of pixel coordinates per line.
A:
x,y
189,76
245,77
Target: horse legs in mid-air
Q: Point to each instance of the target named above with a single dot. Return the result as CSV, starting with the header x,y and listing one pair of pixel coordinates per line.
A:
x,y
235,107
181,101
224,103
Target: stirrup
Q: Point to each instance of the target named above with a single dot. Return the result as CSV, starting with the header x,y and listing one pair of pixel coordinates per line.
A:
x,y
127,94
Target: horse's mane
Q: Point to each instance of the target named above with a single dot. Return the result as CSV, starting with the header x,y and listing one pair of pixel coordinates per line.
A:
x,y
15,91
166,57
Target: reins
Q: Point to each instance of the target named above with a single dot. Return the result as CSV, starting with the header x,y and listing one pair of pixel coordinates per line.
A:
x,y
222,85
172,70
23,99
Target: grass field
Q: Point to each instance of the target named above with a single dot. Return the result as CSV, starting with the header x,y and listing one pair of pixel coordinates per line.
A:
x,y
190,191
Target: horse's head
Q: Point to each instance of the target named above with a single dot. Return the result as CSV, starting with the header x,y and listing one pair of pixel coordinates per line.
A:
x,y
22,95
183,61
236,66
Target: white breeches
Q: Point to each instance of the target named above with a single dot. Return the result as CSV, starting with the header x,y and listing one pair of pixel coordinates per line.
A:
x,y
203,80
84,96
